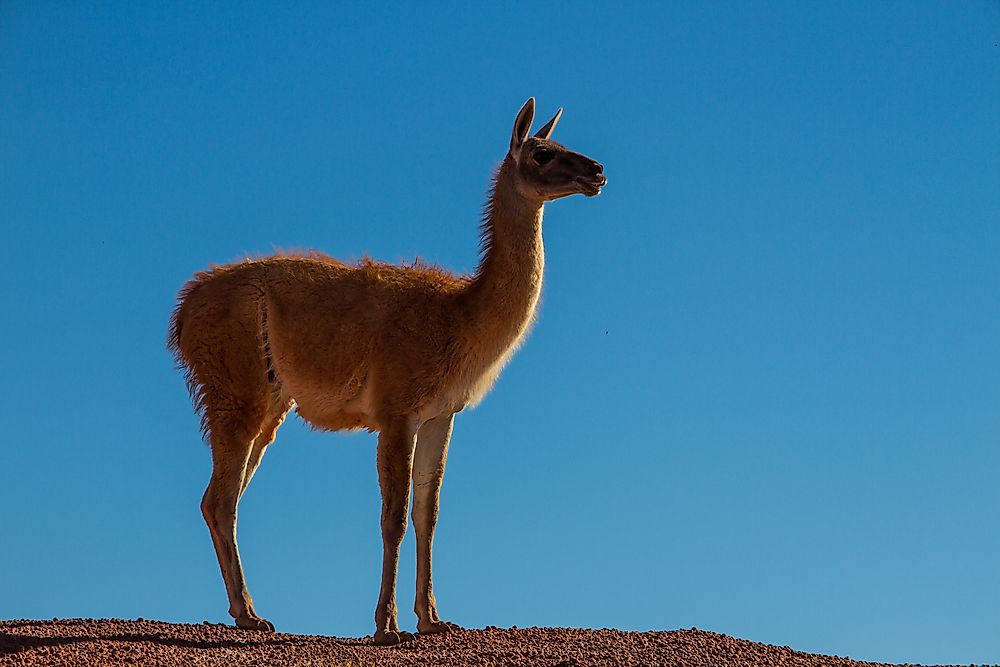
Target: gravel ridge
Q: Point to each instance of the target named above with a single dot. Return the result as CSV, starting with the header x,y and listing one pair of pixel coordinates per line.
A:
x,y
112,642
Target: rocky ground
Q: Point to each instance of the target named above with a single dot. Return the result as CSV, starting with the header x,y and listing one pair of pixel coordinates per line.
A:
x,y
122,642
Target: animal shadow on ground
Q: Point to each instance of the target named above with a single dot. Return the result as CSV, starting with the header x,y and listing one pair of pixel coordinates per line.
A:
x,y
11,643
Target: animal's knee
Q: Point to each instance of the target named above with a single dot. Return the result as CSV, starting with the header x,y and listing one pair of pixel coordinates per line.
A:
x,y
219,517
424,516
218,505
207,508
393,521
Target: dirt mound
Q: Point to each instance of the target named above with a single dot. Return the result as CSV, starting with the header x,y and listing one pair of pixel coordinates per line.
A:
x,y
141,642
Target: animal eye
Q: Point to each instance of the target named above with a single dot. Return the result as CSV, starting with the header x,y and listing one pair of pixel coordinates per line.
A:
x,y
542,156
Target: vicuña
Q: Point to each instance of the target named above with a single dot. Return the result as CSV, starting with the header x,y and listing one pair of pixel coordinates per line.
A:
x,y
393,349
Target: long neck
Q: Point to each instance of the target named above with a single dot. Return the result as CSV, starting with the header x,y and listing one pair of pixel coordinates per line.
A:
x,y
502,296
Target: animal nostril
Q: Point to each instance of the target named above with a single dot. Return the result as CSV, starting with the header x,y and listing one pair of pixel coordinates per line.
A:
x,y
597,167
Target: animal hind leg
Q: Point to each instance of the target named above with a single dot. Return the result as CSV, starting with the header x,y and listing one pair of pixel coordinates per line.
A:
x,y
276,412
232,445
224,347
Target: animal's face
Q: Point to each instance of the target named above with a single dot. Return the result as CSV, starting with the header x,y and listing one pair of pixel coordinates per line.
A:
x,y
547,170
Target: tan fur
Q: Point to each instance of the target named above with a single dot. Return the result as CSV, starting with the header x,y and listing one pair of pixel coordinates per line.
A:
x,y
394,349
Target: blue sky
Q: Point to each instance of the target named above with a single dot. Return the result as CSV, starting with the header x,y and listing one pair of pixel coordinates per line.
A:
x,y
763,393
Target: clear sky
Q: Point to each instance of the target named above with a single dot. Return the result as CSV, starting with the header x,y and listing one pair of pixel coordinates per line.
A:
x,y
763,393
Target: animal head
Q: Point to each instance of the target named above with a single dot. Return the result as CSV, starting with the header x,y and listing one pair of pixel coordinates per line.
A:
x,y
546,170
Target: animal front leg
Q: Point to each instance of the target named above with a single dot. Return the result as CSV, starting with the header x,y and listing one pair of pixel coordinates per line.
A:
x,y
395,462
428,471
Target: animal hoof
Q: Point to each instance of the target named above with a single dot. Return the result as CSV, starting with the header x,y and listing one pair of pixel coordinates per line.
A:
x,y
438,627
254,623
392,637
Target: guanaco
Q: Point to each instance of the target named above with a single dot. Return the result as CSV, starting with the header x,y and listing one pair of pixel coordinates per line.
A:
x,y
397,350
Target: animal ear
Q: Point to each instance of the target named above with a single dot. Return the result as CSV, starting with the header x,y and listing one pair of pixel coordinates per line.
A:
x,y
522,125
546,130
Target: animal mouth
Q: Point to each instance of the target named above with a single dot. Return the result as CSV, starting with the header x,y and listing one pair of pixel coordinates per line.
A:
x,y
591,186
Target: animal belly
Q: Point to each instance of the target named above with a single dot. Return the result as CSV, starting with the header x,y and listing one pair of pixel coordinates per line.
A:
x,y
339,420
332,406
